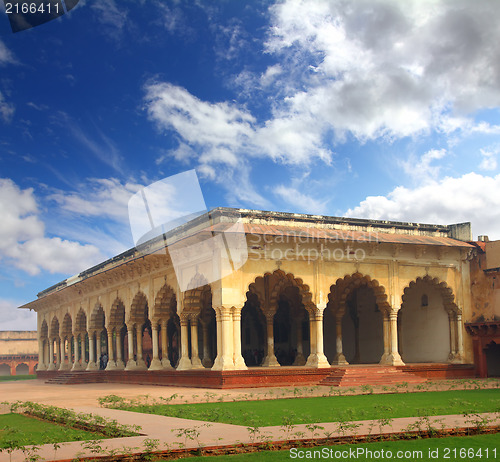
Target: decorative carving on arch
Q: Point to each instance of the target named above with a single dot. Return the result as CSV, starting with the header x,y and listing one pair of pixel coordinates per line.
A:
x,y
80,322
67,326
44,330
54,327
165,303
97,318
139,309
344,286
117,314
269,287
195,300
446,293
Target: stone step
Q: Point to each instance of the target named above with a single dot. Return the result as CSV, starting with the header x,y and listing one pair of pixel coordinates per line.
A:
x,y
373,375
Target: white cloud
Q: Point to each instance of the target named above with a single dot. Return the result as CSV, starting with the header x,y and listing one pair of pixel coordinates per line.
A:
x,y
111,16
23,242
6,56
471,197
6,109
489,161
303,202
421,169
14,319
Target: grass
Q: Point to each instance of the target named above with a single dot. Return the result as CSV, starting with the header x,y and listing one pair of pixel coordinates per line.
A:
x,y
11,378
443,446
28,430
332,409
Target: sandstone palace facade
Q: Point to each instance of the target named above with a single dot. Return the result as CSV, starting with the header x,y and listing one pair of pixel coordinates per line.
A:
x,y
305,295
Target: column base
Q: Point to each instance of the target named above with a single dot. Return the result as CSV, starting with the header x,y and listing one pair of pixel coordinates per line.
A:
x,y
196,363
270,361
92,366
131,365
317,360
239,364
76,367
155,365
52,367
141,365
64,367
184,364
300,360
223,364
41,367
455,358
392,359
339,360
111,366
120,365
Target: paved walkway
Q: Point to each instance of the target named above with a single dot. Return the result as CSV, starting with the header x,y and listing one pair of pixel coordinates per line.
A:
x,y
169,430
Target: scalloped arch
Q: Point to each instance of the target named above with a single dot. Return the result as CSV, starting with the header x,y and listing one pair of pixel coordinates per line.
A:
x,y
164,299
344,286
446,292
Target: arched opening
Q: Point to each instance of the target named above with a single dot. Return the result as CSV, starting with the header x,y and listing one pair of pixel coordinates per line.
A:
x,y
207,329
22,369
119,330
424,330
139,318
98,339
81,332
253,332
362,327
4,370
291,329
354,320
492,353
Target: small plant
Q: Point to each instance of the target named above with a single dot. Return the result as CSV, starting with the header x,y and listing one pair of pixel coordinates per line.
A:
x,y
313,429
287,425
150,447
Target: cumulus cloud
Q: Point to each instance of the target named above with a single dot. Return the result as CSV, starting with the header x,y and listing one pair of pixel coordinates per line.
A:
x,y
301,200
489,161
471,197
422,169
14,319
23,241
6,56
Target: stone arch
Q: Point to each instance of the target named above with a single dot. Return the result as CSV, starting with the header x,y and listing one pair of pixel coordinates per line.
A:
x,y
54,328
340,291
22,369
80,322
44,330
355,316
97,318
4,369
427,331
162,308
67,327
139,317
253,331
492,354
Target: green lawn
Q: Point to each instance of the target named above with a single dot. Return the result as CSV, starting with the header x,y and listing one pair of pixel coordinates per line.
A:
x,y
10,378
335,408
480,447
28,430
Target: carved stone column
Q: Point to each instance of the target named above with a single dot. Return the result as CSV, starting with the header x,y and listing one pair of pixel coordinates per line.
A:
x,y
195,356
119,349
41,357
52,366
165,362
184,361
339,359
318,358
224,360
239,362
140,364
218,321
394,359
387,338
131,364
111,351
270,359
58,353
155,362
83,352
92,366
62,360
98,348
76,362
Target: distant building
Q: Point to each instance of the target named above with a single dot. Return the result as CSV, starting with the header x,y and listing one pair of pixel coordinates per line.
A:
x,y
18,352
313,295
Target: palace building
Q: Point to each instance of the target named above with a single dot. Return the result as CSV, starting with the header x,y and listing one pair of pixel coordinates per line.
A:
x,y
285,299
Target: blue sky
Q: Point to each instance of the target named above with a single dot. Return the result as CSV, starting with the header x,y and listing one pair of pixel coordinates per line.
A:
x,y
377,109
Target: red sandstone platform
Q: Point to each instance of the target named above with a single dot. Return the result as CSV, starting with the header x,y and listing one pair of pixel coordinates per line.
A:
x,y
352,375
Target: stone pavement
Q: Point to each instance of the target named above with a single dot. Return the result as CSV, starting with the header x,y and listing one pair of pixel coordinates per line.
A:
x,y
169,430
